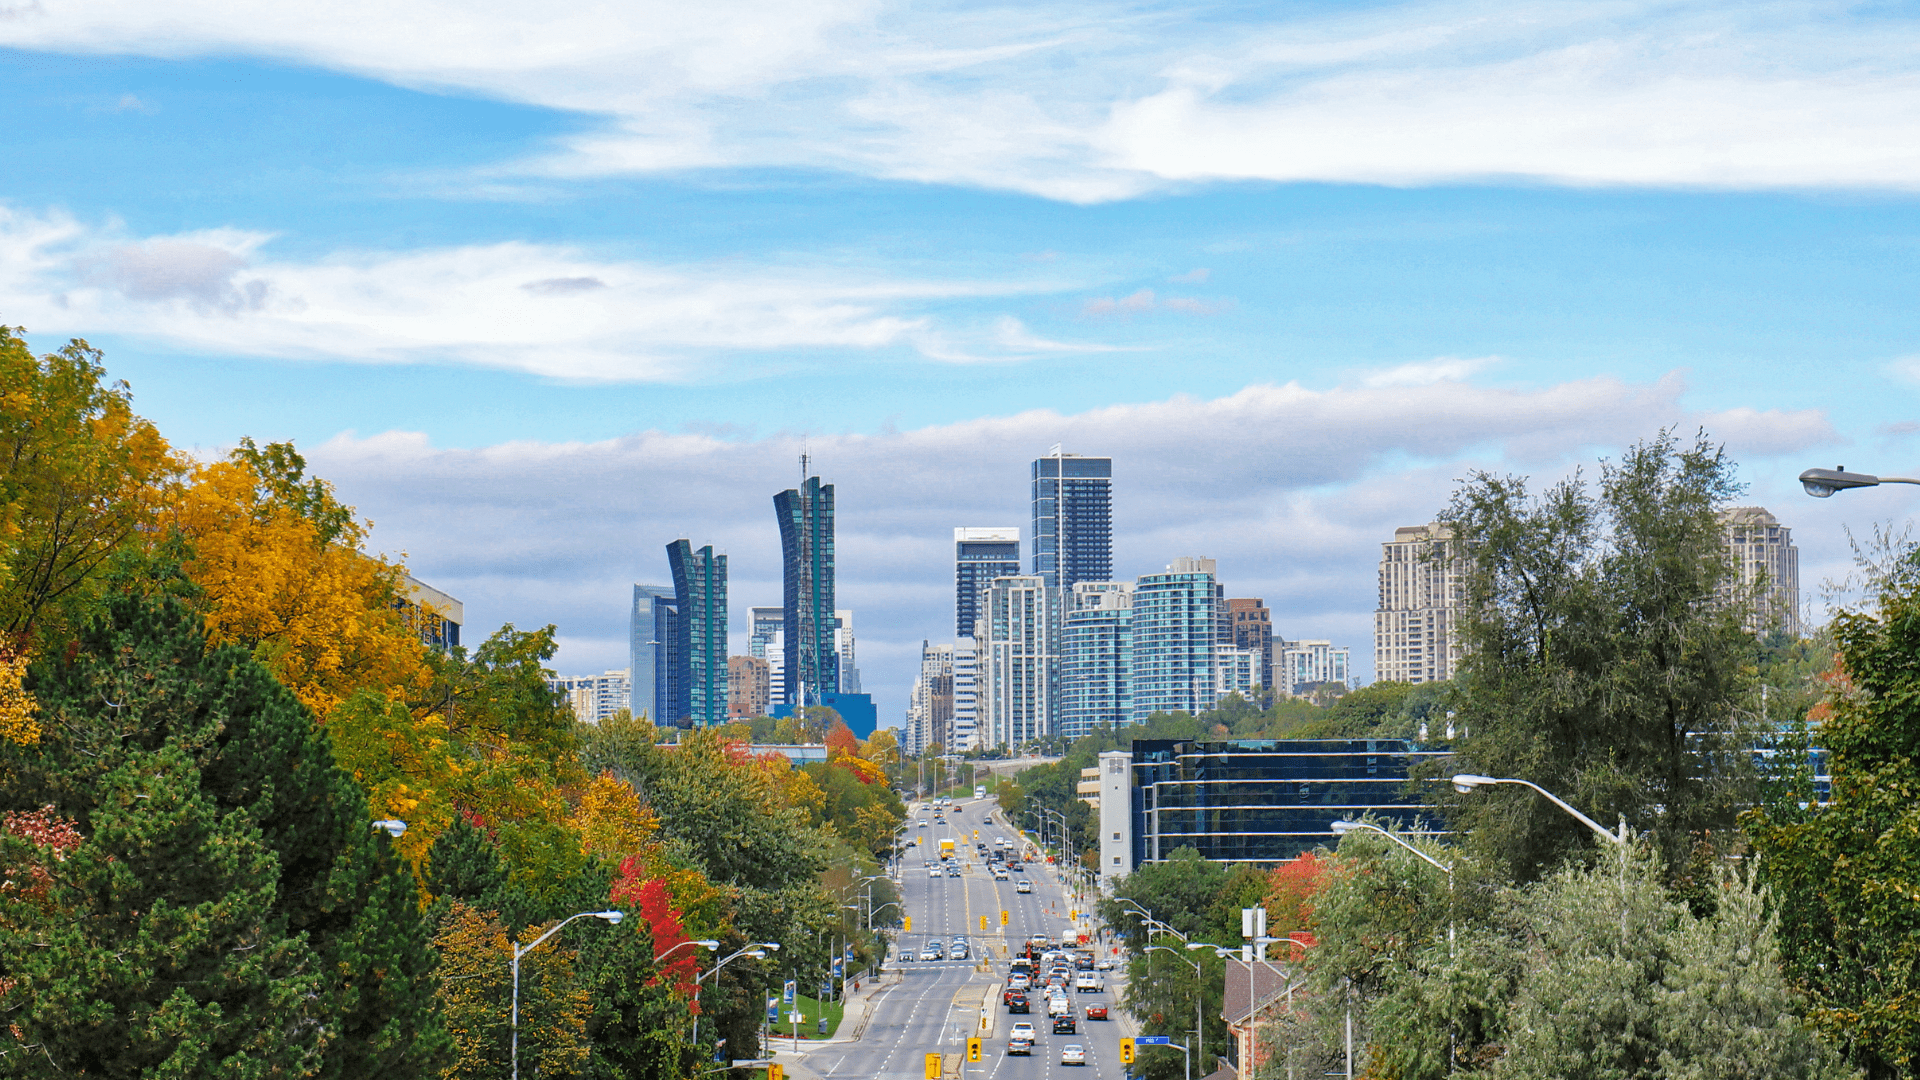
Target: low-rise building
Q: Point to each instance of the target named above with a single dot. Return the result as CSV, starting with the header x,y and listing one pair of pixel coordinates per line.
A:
x,y
1250,800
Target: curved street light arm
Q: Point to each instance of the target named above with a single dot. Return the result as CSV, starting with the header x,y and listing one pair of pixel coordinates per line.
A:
x,y
613,917
1341,828
1467,782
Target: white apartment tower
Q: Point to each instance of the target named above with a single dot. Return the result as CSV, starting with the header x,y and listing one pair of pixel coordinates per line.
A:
x,y
1018,658
1420,591
1767,564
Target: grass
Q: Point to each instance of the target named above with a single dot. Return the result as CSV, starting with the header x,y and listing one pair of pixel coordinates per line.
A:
x,y
812,1009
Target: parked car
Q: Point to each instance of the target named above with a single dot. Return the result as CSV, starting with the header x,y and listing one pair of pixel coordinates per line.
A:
x,y
1073,1054
1097,1012
1023,886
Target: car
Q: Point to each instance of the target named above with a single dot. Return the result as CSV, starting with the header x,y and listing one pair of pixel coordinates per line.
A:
x,y
1096,1012
1000,873
1073,1054
933,950
1017,1002
953,869
1088,983
958,952
1083,962
1019,980
923,823
1022,1030
934,871
1018,1045
1063,1024
1105,963
1023,886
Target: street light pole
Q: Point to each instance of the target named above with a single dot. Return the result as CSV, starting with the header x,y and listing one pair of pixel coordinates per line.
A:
x,y
1466,782
757,950
1199,1001
612,917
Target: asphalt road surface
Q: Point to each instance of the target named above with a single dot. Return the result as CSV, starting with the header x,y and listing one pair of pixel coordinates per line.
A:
x,y
936,1005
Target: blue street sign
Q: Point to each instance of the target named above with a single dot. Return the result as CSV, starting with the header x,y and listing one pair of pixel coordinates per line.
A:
x,y
1153,1040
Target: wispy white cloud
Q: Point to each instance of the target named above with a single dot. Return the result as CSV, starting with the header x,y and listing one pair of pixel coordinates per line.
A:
x,y
547,310
1107,100
1145,301
1428,372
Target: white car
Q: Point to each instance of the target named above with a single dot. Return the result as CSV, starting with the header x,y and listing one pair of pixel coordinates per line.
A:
x,y
1105,963
1022,1030
934,871
1073,1054
1088,983
923,823
1023,885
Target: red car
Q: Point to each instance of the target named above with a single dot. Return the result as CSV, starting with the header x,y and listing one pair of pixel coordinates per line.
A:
x,y
1096,1012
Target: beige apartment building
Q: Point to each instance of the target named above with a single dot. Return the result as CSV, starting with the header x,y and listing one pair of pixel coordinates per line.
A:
x,y
1420,591
1765,562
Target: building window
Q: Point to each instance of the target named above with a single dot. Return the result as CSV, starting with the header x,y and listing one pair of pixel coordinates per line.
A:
x,y
1116,836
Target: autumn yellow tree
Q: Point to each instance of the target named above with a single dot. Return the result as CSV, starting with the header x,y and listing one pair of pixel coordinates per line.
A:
x,y
82,480
278,563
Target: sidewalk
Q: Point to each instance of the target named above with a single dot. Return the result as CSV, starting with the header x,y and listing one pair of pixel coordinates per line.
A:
x,y
853,1022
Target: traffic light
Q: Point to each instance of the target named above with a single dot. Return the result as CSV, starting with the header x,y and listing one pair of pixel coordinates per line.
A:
x,y
934,1066
973,1049
774,1071
906,924
1003,916
1126,1051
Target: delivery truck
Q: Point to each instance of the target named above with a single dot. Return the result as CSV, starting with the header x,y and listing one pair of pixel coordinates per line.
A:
x,y
946,848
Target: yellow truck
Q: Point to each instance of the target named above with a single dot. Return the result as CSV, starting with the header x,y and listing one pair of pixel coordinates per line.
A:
x,y
946,848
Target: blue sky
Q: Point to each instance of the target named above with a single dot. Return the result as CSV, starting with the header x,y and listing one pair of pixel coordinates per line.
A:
x,y
543,292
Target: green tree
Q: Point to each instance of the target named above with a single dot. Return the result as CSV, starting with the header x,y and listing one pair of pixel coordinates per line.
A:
x,y
1845,874
1600,659
230,912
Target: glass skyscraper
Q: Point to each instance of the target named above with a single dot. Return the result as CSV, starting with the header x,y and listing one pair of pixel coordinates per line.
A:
x,y
806,547
1175,626
1096,651
979,556
652,624
700,595
1072,519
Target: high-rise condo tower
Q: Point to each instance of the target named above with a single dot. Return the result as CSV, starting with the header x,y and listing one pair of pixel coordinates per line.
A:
x,y
806,544
1072,519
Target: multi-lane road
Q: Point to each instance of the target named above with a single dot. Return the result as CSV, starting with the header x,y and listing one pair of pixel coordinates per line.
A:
x,y
936,1006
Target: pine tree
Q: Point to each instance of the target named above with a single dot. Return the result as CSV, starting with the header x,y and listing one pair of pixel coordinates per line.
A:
x,y
198,780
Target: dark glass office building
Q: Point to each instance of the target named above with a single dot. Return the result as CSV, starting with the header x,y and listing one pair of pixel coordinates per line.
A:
x,y
1267,801
979,556
1072,519
806,548
700,633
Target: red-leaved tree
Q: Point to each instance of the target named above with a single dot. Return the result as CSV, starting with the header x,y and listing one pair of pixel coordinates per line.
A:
x,y
648,898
